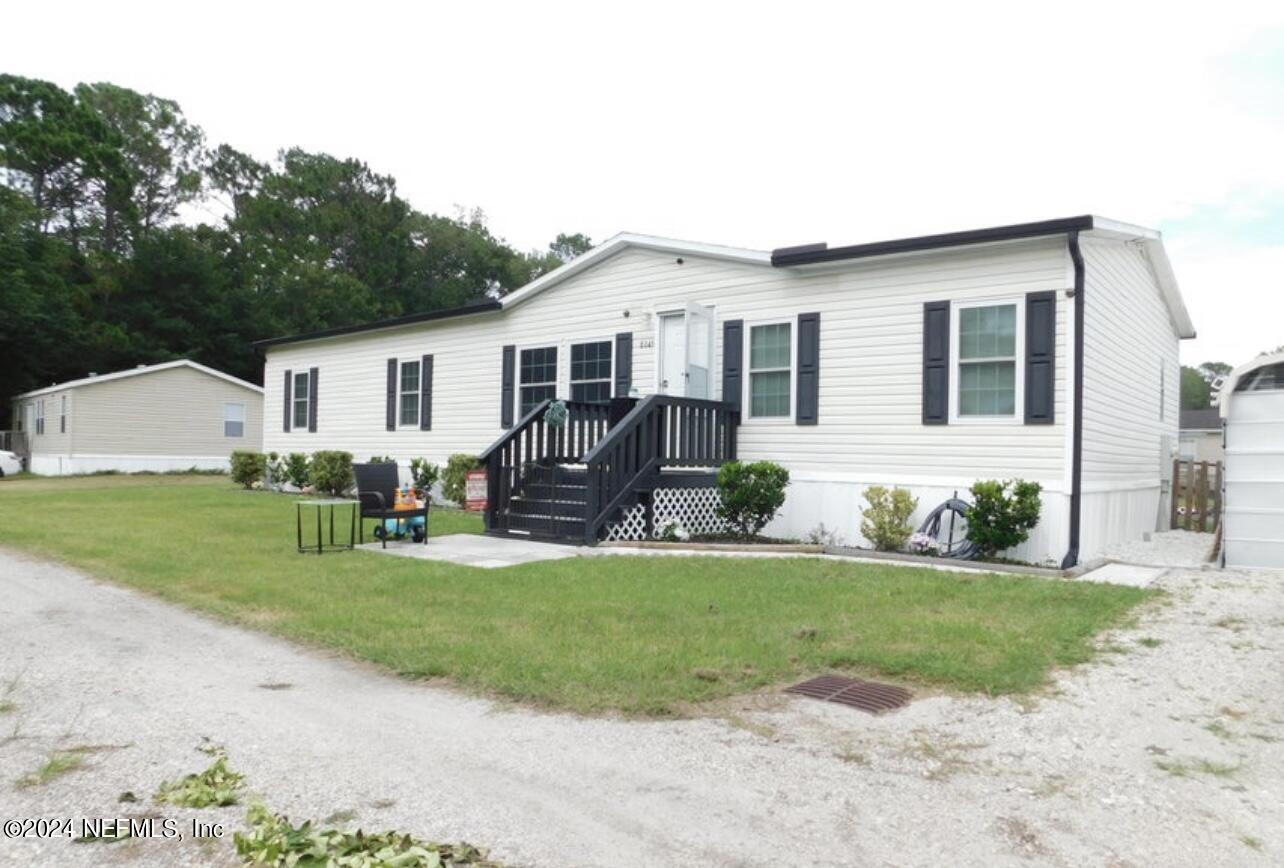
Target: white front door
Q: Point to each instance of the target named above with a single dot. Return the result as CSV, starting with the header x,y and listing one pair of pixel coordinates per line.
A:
x,y
686,352
673,353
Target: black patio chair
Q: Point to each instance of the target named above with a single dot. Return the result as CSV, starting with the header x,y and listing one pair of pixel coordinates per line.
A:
x,y
377,485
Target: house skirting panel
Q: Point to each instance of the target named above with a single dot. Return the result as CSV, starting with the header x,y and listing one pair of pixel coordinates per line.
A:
x,y
1119,515
837,504
64,465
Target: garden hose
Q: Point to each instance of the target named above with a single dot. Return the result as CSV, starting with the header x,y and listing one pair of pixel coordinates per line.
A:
x,y
960,548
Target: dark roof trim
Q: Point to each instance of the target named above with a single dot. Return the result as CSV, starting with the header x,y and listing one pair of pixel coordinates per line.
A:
x,y
445,313
811,254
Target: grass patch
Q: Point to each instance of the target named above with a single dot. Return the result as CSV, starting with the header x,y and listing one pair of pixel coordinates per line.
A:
x,y
644,635
1149,642
59,763
1186,768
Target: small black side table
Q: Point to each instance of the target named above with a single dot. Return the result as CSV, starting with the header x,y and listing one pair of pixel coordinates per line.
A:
x,y
321,506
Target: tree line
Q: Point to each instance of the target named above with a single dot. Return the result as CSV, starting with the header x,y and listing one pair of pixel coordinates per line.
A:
x,y
126,238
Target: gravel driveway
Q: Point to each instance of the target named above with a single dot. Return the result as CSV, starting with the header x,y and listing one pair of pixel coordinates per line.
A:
x,y
1169,751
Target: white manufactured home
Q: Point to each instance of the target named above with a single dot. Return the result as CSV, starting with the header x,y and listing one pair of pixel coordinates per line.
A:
x,y
1043,351
171,416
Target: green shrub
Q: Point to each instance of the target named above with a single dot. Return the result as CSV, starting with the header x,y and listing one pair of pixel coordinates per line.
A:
x,y
274,470
455,477
248,467
297,469
1002,514
885,520
752,494
381,459
424,474
332,472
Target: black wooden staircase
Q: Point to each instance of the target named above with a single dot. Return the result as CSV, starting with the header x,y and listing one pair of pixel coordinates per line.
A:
x,y
569,483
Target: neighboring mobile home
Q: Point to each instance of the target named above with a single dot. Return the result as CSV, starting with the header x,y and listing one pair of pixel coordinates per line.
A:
x,y
1251,405
1044,351
1200,435
172,416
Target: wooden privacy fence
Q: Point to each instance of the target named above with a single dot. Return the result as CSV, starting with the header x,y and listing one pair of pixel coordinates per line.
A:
x,y
1197,495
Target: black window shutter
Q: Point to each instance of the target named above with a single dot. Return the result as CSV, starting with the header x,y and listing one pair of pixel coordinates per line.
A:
x,y
506,383
733,349
312,399
1040,357
623,364
807,406
390,415
425,394
288,399
936,363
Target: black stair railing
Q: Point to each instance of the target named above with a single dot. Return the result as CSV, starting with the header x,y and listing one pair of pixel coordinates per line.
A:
x,y
531,447
661,431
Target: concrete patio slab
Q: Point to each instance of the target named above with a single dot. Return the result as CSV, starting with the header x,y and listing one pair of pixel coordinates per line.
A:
x,y
473,550
1124,574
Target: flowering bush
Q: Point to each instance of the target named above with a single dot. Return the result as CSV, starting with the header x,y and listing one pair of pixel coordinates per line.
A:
x,y
671,530
751,495
923,544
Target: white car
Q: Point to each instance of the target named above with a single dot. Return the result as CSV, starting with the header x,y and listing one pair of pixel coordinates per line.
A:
x,y
10,464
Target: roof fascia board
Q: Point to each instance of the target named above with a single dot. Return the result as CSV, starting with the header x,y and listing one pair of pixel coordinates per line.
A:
x,y
379,325
135,372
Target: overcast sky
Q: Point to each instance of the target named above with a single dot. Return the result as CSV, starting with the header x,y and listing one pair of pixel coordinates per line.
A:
x,y
758,125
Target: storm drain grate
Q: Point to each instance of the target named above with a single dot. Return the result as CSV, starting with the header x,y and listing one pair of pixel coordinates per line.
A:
x,y
866,695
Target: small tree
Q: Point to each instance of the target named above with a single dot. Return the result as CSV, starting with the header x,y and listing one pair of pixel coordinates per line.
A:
x,y
297,469
751,495
332,472
1002,514
248,467
885,520
424,473
454,480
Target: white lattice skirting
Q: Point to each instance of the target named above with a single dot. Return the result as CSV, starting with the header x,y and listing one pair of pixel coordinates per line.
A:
x,y
696,509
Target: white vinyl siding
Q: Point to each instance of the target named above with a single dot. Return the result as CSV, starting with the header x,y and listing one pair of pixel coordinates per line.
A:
x,y
870,360
408,389
770,370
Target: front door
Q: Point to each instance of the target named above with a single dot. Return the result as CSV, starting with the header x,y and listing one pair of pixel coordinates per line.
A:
x,y
686,352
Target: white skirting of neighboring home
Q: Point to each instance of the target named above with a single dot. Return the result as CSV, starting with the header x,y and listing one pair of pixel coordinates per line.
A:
x,y
64,465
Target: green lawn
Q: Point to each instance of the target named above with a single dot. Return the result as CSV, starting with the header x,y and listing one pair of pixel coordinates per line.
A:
x,y
640,635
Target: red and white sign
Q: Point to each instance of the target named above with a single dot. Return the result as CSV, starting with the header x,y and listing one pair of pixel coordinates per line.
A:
x,y
475,491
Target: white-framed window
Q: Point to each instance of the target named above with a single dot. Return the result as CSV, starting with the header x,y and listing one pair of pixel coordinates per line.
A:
x,y
538,378
770,370
987,349
302,392
591,372
233,420
62,414
408,394
40,416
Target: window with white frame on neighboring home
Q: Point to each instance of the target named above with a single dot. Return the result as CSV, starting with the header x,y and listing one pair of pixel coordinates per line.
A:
x,y
302,392
233,420
62,414
538,377
591,372
408,392
40,416
770,369
987,360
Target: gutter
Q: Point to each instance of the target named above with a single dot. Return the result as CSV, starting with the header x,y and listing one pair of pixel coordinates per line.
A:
x,y
1076,466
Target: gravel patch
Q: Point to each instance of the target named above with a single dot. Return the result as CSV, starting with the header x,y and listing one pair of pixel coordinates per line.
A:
x,y
1168,751
1169,548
